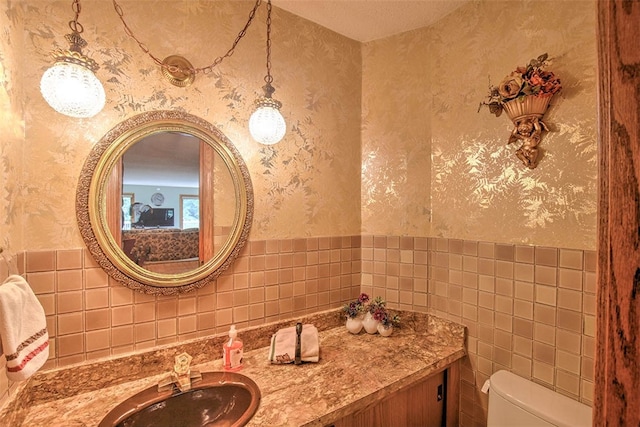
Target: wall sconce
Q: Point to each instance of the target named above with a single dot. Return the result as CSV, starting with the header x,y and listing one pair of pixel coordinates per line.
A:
x,y
70,86
266,125
525,95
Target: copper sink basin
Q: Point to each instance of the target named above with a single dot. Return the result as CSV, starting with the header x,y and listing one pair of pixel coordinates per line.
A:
x,y
219,399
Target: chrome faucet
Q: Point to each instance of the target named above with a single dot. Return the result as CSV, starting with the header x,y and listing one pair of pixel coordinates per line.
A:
x,y
182,376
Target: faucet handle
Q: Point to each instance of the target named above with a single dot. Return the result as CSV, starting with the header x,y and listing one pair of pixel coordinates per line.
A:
x,y
183,361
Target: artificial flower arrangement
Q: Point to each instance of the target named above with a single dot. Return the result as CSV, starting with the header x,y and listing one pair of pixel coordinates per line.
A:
x,y
525,95
377,308
356,308
532,80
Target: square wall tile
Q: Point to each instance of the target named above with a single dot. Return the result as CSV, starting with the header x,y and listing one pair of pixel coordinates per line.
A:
x,y
48,302
504,252
122,315
70,323
41,261
97,319
546,256
525,254
546,275
69,259
98,340
69,280
546,295
42,282
70,345
543,373
569,299
120,295
95,278
123,335
486,250
95,298
570,279
568,382
571,259
68,302
568,362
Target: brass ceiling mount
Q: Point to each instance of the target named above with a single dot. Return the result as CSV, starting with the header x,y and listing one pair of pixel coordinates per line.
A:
x,y
178,71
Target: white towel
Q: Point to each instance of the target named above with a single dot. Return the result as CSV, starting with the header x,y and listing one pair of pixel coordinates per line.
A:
x,y
283,345
23,329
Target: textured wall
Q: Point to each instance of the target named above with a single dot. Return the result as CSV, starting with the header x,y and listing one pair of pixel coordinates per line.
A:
x,y
12,131
308,185
421,92
480,188
396,187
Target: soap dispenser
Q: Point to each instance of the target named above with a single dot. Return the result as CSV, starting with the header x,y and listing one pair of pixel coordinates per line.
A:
x,y
232,351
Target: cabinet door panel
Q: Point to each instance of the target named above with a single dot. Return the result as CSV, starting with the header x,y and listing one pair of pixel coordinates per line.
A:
x,y
421,405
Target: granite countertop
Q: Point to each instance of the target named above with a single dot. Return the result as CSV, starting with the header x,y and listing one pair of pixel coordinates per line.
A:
x,y
354,371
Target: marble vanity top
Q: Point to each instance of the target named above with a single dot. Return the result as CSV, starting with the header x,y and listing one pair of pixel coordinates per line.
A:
x,y
354,371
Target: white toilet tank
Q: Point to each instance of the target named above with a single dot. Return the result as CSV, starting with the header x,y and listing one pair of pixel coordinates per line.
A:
x,y
517,402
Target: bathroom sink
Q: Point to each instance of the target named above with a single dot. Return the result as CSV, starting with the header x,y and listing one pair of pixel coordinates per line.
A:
x,y
219,399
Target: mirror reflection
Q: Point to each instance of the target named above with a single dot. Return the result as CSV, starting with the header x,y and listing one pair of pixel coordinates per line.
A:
x,y
160,202
169,203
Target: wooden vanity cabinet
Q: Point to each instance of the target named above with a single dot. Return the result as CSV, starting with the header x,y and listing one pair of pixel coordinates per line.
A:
x,y
432,402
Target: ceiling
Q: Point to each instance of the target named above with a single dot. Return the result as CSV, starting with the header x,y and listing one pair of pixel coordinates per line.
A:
x,y
367,20
165,159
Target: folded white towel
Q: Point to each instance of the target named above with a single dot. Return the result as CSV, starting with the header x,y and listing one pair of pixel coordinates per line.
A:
x,y
283,345
23,329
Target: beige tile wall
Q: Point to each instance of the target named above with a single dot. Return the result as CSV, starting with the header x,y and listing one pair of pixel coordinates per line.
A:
x,y
90,316
529,310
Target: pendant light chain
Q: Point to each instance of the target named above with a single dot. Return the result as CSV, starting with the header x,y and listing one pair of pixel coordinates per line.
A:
x,y
75,26
268,78
174,68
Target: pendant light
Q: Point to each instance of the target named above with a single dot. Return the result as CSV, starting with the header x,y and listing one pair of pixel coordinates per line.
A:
x,y
266,125
70,86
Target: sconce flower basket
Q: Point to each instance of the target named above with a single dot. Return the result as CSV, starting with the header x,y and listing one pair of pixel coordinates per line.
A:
x,y
525,95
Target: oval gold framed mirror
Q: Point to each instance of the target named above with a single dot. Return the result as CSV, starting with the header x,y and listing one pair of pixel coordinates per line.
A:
x,y
164,202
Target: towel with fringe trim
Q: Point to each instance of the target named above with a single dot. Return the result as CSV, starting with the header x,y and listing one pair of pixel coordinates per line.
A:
x,y
24,339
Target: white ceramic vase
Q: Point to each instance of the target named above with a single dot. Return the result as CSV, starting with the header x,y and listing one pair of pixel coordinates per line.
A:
x,y
370,324
354,324
385,331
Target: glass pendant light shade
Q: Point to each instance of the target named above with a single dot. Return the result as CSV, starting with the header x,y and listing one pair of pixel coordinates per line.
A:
x,y
266,124
73,90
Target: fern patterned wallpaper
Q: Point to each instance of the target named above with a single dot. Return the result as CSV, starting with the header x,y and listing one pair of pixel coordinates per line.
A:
x,y
429,158
384,138
12,131
308,185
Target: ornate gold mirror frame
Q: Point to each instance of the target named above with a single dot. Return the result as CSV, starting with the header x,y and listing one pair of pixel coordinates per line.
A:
x,y
92,207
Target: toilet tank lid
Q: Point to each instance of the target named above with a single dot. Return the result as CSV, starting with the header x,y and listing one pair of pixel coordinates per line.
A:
x,y
540,401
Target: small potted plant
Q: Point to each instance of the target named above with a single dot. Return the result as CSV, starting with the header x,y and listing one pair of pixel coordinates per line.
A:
x,y
354,312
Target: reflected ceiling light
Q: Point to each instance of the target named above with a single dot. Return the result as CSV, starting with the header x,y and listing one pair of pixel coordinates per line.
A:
x,y
70,86
266,124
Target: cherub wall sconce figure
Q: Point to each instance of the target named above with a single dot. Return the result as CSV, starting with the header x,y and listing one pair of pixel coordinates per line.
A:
x,y
528,131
